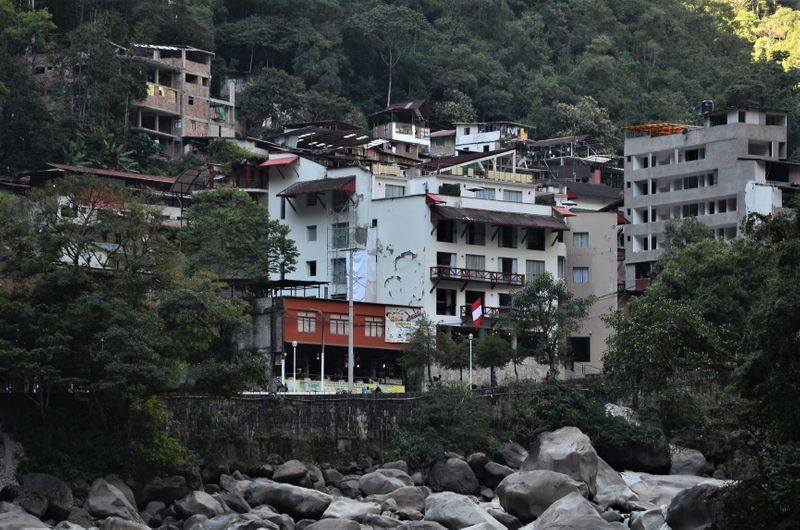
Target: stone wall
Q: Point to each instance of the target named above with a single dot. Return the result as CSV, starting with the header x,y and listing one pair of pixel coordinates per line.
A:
x,y
336,429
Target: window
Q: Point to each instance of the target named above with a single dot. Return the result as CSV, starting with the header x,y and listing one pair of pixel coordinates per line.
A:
x,y
512,195
339,324
373,326
475,262
776,119
393,190
283,207
306,322
485,148
471,296
338,271
690,183
504,299
445,259
507,266
311,233
485,193
536,239
580,274
191,100
311,268
445,301
561,267
532,268
689,210
476,234
580,349
742,116
507,237
580,240
340,201
446,232
311,200
466,130
339,235
691,155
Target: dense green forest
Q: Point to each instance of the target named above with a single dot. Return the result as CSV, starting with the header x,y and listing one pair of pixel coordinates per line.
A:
x,y
559,65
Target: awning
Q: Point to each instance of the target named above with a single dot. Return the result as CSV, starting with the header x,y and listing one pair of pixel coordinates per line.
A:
x,y
431,198
282,161
563,211
320,186
524,220
127,175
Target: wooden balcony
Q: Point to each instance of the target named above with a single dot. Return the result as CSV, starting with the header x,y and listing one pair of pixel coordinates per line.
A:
x,y
488,312
473,275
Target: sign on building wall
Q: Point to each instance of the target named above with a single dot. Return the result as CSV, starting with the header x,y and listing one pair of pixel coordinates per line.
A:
x,y
400,323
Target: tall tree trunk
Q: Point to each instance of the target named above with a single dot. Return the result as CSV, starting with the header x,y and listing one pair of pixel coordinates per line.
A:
x,y
391,68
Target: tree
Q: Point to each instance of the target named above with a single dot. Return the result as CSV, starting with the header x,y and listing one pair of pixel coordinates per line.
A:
x,y
546,309
451,354
588,117
232,237
390,29
420,351
680,233
457,107
492,351
273,99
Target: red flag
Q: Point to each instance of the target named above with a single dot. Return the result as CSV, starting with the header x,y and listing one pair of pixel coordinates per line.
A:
x,y
477,313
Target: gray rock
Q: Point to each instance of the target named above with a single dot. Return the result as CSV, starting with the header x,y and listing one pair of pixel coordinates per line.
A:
x,y
480,526
648,520
283,521
506,519
198,502
457,511
571,511
397,464
251,522
166,490
477,461
494,473
349,486
527,494
686,461
80,516
10,507
66,525
230,484
511,454
410,498
332,476
303,524
487,493
152,513
117,523
418,479
652,457
380,521
291,472
261,471
233,500
334,524
421,525
383,481
696,507
315,474
661,489
211,472
612,516
18,520
42,494
454,475
566,450
106,500
389,505
300,503
218,522
344,508
122,486
611,488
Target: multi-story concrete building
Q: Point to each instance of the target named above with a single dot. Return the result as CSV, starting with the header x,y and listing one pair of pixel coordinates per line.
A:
x,y
489,136
719,172
406,127
178,107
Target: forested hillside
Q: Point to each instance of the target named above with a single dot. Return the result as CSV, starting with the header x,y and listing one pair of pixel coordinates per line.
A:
x,y
556,64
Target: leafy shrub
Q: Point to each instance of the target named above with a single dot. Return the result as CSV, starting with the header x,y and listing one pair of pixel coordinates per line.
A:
x,y
153,451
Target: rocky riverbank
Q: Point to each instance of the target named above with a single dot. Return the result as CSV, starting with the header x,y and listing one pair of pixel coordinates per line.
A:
x,y
560,483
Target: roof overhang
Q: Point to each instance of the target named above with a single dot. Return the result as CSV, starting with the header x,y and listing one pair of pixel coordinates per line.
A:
x,y
522,220
347,184
564,212
280,161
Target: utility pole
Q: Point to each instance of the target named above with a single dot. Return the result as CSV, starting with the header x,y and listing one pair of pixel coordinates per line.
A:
x,y
350,354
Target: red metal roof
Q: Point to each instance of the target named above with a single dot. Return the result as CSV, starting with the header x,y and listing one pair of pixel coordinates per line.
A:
x,y
563,211
473,215
622,220
282,161
571,195
431,198
320,186
113,173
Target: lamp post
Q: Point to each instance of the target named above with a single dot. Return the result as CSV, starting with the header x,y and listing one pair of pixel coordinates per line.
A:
x,y
294,366
322,352
283,368
470,337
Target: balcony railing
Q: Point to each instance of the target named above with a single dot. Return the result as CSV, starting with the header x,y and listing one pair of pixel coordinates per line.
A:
x,y
488,312
474,275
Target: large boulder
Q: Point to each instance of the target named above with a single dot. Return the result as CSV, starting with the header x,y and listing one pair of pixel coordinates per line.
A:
x,y
292,472
511,454
298,502
106,500
661,489
344,508
408,499
349,486
383,481
454,474
198,502
402,465
637,455
264,513
232,485
421,525
117,523
494,473
566,450
166,490
334,524
652,519
696,507
527,494
233,500
477,461
19,520
574,512
42,494
457,511
611,488
381,521
686,461
506,519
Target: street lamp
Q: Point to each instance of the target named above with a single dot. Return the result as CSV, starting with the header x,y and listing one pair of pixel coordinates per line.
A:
x,y
470,337
294,366
283,368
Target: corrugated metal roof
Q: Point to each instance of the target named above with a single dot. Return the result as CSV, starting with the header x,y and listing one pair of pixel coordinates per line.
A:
x,y
113,173
560,141
563,211
473,215
282,161
442,163
320,186
446,132
170,48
